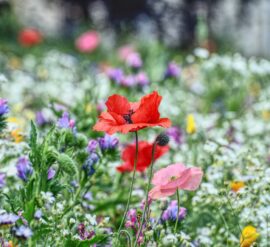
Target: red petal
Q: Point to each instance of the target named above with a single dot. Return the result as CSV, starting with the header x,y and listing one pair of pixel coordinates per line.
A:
x,y
118,104
148,109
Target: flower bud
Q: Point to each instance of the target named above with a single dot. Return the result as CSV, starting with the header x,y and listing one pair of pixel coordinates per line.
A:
x,y
162,139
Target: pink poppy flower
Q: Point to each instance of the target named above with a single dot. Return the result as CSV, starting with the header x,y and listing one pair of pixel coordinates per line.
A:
x,y
125,51
87,42
173,177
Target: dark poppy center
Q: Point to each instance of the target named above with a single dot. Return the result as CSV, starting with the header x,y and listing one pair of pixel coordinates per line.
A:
x,y
127,117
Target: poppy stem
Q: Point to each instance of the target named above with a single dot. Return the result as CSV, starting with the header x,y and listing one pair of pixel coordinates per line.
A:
x,y
178,210
147,192
131,185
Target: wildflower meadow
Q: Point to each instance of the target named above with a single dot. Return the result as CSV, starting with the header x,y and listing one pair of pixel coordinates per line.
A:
x,y
135,145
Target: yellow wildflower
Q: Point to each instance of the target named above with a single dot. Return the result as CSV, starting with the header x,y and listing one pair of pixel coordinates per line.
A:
x,y
237,185
17,135
190,124
14,63
248,236
255,89
88,108
266,115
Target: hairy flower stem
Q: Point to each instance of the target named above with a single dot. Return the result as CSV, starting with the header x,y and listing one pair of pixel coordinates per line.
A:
x,y
178,209
131,185
147,192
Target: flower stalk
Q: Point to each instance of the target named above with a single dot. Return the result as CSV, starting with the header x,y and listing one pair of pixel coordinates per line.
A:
x,y
132,183
147,192
178,210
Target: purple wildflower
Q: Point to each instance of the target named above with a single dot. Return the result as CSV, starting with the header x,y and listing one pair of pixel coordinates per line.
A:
x,y
24,168
101,106
23,232
173,70
92,146
134,60
115,74
51,173
131,221
3,107
88,196
84,233
40,118
128,81
108,142
74,183
142,79
38,214
65,122
2,179
176,134
171,212
8,219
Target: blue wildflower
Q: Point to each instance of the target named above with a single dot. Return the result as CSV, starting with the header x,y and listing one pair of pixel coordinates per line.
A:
x,y
3,107
23,232
2,179
51,173
89,164
173,70
24,168
8,219
38,214
171,212
65,122
92,146
108,142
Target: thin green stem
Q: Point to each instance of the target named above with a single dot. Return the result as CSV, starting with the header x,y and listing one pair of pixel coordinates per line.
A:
x,y
178,210
147,192
132,183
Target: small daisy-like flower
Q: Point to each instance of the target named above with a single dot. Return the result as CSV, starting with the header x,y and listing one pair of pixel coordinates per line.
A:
x,y
17,135
237,185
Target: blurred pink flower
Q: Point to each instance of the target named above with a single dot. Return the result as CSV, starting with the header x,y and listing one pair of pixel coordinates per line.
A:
x,y
173,177
87,42
125,51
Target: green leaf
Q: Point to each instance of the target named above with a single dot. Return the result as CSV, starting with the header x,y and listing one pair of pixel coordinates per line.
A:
x,y
29,210
33,136
67,164
86,243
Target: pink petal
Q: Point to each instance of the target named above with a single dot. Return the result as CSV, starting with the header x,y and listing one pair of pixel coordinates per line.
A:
x,y
192,178
157,193
163,176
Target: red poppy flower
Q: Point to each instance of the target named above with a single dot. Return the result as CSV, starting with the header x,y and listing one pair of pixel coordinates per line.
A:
x,y
29,37
144,156
124,116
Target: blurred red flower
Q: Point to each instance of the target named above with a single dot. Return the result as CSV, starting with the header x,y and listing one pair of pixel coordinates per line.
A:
x,y
29,37
87,42
124,116
144,156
